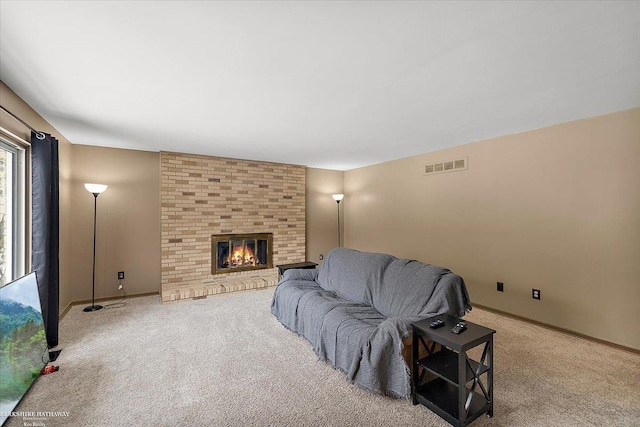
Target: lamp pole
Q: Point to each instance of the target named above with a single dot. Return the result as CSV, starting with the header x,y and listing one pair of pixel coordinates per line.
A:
x,y
338,203
94,189
337,198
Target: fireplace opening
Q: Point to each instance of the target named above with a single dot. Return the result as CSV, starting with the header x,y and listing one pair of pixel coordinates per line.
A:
x,y
241,252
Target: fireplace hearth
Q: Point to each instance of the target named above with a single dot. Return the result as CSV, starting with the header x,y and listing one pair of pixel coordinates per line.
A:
x,y
241,252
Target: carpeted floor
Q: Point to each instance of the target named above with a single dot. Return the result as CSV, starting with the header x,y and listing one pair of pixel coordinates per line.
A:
x,y
226,361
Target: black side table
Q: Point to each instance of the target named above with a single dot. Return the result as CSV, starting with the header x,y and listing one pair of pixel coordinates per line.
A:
x,y
439,380
305,265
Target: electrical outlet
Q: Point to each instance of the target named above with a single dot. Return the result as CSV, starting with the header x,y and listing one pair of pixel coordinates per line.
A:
x,y
500,286
321,257
535,293
120,275
120,287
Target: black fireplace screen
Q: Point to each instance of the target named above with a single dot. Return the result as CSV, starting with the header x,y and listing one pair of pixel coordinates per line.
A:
x,y
240,252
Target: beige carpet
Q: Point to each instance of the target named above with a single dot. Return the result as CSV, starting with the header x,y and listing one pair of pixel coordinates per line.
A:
x,y
225,361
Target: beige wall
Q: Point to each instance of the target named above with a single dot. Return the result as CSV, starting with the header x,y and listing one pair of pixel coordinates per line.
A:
x,y
128,212
322,234
128,221
556,209
17,106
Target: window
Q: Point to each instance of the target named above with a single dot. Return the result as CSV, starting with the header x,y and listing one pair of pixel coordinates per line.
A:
x,y
12,212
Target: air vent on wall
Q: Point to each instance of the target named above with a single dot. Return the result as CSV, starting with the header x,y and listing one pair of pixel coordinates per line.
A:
x,y
447,166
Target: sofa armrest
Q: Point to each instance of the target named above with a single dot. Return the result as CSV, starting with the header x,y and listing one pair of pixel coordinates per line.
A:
x,y
300,274
403,326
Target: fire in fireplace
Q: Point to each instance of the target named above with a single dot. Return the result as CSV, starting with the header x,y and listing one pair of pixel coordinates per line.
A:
x,y
240,252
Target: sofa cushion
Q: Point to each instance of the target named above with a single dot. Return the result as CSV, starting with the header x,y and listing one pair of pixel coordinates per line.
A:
x,y
367,347
286,298
351,274
312,310
345,330
302,305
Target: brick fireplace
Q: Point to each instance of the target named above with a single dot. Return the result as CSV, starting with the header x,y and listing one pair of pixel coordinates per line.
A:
x,y
203,196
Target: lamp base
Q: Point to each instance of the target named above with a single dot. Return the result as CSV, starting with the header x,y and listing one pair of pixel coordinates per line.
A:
x,y
93,308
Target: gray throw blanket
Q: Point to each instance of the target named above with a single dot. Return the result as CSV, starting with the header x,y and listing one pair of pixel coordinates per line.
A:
x,y
357,310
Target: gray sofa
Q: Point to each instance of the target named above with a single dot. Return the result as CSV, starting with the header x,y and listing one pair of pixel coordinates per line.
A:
x,y
357,308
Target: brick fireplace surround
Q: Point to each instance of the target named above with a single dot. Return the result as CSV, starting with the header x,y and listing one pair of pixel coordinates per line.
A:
x,y
202,196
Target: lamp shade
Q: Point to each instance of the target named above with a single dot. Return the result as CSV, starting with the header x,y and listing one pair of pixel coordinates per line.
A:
x,y
338,197
95,188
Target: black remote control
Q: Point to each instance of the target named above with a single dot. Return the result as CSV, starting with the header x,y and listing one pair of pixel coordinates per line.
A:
x,y
459,328
436,324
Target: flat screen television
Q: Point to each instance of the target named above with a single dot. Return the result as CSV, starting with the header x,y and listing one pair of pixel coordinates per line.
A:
x,y
23,344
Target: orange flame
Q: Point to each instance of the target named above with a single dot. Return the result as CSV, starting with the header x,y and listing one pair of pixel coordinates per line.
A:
x,y
242,256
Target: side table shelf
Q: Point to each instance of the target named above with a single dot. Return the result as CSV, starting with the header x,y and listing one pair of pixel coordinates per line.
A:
x,y
447,381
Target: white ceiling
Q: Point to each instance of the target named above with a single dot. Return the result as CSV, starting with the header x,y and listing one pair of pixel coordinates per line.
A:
x,y
336,85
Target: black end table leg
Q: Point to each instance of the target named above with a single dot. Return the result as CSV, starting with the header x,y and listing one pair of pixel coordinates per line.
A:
x,y
414,366
490,375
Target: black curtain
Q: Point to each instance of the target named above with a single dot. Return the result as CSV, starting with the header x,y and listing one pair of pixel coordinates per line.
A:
x,y
45,228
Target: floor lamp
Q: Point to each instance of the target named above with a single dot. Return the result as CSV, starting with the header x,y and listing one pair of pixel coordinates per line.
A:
x,y
94,189
337,198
